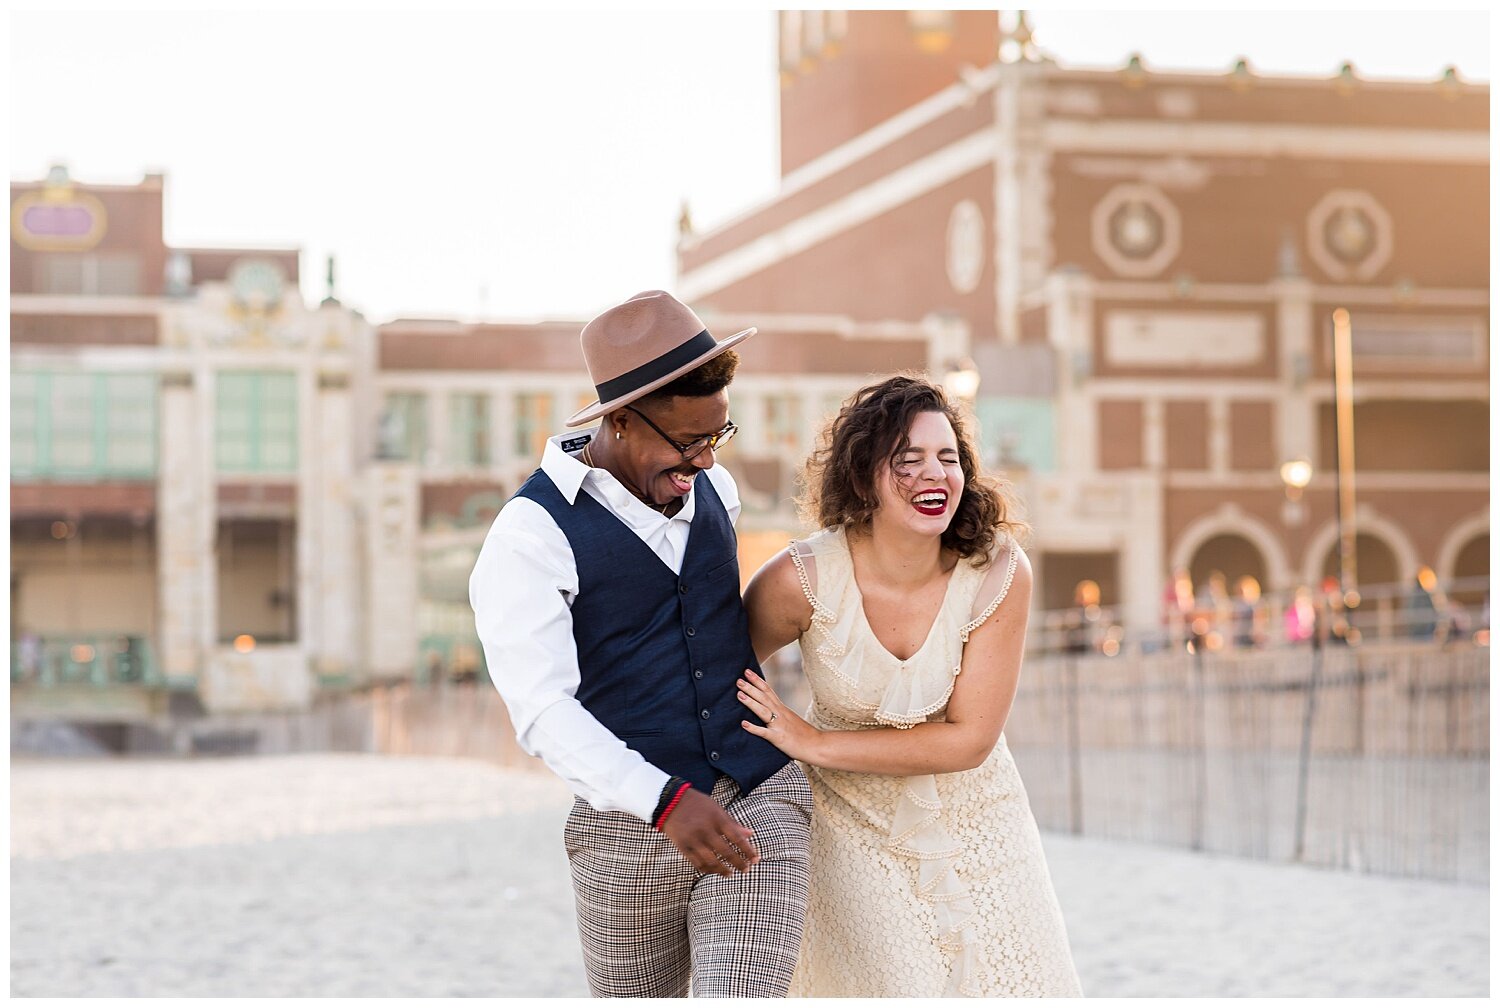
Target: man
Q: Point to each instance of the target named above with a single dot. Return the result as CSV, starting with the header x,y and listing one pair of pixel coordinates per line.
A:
x,y
607,599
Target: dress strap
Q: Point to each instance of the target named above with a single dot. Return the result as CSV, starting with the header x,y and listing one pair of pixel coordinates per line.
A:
x,y
989,610
820,611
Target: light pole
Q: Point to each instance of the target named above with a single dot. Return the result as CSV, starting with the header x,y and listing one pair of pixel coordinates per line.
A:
x,y
1343,399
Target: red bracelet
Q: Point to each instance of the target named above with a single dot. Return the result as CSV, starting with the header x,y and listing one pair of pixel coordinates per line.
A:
x,y
671,805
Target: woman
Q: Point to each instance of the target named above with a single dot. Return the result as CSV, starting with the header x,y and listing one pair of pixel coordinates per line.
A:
x,y
928,876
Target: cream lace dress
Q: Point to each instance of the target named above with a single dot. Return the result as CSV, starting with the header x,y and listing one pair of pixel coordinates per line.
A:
x,y
933,885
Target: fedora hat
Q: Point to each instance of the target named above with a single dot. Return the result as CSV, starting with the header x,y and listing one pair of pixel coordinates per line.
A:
x,y
640,345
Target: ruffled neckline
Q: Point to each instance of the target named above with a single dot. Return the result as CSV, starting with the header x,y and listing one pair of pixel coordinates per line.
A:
x,y
933,629
881,688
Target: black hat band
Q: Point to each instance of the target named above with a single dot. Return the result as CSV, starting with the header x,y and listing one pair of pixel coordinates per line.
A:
x,y
650,371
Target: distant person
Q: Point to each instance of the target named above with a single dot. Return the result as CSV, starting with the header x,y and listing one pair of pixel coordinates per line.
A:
x,y
1422,606
607,596
1332,618
1212,612
1245,613
1177,608
1300,621
1081,622
29,656
1457,625
910,608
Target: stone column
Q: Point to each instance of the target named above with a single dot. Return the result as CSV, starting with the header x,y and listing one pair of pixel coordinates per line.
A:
x,y
1296,414
184,533
392,513
1219,446
333,573
947,337
1143,556
1022,192
1070,331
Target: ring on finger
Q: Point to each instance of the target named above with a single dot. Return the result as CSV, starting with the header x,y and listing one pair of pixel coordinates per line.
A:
x,y
772,719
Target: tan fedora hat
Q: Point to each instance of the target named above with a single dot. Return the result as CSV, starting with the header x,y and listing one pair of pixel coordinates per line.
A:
x,y
640,345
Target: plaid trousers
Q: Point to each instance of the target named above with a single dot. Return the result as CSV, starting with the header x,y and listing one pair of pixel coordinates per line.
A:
x,y
651,924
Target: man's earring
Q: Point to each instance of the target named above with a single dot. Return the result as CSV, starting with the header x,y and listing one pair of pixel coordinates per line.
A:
x,y
617,435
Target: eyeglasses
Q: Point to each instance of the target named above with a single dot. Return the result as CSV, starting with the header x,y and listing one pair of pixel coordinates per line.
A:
x,y
692,449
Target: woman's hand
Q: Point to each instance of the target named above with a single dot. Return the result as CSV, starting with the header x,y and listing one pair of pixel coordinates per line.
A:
x,y
780,726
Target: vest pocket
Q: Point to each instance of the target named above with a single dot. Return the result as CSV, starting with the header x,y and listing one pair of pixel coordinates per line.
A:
x,y
728,567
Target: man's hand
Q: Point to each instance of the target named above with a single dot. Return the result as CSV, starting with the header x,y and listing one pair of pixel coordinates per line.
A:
x,y
710,838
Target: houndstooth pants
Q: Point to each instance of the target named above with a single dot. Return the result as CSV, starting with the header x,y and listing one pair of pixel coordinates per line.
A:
x,y
649,921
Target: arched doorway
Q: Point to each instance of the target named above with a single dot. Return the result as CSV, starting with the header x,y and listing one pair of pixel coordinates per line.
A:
x,y
1375,562
1231,555
1471,571
1229,573
1382,595
1231,536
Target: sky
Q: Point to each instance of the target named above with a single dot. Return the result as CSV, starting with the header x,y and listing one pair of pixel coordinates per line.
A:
x,y
510,164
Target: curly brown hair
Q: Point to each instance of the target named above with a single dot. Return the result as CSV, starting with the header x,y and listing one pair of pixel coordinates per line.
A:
x,y
870,430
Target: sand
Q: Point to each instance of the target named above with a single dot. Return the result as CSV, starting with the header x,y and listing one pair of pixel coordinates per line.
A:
x,y
361,875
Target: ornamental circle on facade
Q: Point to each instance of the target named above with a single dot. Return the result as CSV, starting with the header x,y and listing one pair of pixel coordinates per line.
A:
x,y
1136,230
965,246
1349,235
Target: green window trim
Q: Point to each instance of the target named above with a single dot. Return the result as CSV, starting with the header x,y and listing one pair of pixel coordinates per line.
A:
x,y
533,423
469,421
113,434
255,422
403,427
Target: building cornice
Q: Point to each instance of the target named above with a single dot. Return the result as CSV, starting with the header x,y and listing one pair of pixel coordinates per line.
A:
x,y
1208,295
1271,140
1365,481
69,304
1064,72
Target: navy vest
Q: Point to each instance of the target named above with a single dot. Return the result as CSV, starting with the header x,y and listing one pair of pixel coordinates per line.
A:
x,y
658,652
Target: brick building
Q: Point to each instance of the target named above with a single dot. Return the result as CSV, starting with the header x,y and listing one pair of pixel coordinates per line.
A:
x,y
226,501
1144,266
182,467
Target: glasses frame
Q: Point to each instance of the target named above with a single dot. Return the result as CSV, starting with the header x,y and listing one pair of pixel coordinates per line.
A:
x,y
712,441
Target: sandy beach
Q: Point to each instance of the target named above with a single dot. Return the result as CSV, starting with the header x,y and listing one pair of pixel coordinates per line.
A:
x,y
360,875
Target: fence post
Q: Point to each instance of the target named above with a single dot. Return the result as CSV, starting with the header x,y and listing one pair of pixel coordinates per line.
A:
x,y
1075,754
1304,758
1200,761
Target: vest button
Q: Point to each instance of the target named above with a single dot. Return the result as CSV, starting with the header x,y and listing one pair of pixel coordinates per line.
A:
x,y
682,589
713,757
697,673
691,631
705,714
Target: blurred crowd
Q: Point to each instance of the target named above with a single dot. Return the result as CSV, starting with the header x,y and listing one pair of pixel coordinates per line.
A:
x,y
1209,617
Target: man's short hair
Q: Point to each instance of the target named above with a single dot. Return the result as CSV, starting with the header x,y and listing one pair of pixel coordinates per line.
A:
x,y
704,380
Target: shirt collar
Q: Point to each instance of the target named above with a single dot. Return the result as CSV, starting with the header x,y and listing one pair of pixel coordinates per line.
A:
x,y
568,473
565,471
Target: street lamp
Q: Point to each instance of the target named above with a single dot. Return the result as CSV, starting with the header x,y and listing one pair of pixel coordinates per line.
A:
x,y
1295,475
961,379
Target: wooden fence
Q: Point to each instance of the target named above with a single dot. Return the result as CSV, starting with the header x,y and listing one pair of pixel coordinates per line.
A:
x,y
1373,758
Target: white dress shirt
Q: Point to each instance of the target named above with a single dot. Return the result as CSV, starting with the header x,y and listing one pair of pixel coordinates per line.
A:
x,y
522,591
